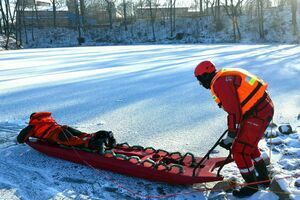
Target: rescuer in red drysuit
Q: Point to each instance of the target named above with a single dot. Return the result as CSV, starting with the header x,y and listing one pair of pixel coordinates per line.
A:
x,y
250,110
44,127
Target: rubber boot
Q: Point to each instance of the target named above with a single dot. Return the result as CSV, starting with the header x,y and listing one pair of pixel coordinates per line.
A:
x,y
247,190
263,174
112,143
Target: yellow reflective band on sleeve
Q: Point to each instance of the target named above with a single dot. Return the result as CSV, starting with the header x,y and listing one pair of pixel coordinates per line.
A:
x,y
214,97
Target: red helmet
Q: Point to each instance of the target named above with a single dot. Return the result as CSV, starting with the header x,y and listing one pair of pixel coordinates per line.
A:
x,y
204,67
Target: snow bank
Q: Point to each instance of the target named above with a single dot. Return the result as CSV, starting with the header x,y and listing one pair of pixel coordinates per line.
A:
x,y
277,29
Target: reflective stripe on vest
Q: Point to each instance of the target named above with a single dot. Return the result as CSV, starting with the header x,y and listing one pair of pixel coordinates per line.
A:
x,y
249,92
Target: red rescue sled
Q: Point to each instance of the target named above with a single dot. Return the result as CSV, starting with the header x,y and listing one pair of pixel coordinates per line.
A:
x,y
147,163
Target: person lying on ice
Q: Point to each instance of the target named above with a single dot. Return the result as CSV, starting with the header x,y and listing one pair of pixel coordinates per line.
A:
x,y
44,127
250,110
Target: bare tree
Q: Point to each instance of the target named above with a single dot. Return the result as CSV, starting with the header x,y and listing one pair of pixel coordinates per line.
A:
x,y
78,24
54,2
36,14
198,5
201,7
139,5
1,29
172,13
206,6
216,13
82,13
218,21
23,21
110,7
294,16
32,20
123,12
5,16
212,7
257,8
8,13
18,24
2,18
232,11
260,16
171,18
152,4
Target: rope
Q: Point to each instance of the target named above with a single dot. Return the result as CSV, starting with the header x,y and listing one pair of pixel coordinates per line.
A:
x,y
248,185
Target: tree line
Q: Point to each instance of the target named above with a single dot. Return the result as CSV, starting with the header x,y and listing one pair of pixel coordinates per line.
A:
x,y
14,25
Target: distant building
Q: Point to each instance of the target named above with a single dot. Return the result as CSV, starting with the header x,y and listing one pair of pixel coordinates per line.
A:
x,y
94,15
43,17
160,12
223,9
30,3
100,16
43,3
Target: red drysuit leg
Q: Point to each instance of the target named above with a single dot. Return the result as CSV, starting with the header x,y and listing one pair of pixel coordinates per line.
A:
x,y
252,129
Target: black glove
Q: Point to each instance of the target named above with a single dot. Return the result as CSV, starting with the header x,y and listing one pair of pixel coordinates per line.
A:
x,y
24,134
225,145
227,142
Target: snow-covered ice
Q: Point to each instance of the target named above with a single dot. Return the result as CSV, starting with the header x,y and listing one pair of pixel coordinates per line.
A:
x,y
146,95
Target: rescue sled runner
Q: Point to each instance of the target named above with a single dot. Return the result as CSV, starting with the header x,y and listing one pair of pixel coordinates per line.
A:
x,y
148,163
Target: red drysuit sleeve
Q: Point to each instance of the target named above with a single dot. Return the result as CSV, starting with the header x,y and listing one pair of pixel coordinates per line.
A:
x,y
226,90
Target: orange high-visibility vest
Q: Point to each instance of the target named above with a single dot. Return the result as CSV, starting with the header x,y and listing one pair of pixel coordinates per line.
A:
x,y
44,126
251,90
